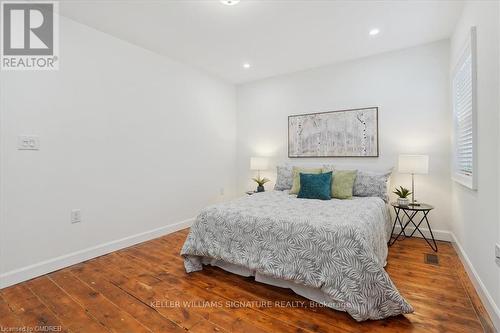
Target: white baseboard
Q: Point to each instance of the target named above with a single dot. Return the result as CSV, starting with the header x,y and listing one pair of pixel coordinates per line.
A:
x,y
47,266
483,293
442,235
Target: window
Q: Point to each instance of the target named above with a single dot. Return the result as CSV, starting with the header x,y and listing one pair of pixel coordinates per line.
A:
x,y
464,115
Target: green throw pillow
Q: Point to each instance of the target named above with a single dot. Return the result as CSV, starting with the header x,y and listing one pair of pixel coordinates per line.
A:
x,y
296,177
343,183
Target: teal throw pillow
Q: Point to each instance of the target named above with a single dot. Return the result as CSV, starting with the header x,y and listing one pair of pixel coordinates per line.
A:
x,y
315,186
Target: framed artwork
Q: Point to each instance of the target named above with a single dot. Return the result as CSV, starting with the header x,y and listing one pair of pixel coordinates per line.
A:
x,y
344,133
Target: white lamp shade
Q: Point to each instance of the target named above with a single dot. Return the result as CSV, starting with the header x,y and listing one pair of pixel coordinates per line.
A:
x,y
259,163
416,164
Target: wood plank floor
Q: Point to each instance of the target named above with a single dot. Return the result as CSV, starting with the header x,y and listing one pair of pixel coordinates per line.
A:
x,y
144,288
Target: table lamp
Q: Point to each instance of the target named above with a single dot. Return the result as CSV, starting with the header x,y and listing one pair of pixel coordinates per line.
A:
x,y
414,165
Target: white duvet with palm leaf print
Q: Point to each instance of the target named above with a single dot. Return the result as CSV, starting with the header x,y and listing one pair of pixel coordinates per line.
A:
x,y
337,246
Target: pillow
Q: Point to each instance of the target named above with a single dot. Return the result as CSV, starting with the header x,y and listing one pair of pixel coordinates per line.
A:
x,y
284,178
372,184
315,186
296,177
343,183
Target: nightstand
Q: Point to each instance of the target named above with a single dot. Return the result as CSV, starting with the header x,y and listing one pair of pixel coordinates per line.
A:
x,y
412,212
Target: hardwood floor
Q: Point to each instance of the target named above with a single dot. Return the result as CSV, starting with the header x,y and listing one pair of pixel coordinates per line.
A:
x,y
144,288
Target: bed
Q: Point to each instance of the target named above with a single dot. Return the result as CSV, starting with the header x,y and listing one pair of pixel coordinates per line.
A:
x,y
332,252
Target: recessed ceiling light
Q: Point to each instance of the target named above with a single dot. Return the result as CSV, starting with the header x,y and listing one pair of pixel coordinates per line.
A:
x,y
230,2
374,32
246,65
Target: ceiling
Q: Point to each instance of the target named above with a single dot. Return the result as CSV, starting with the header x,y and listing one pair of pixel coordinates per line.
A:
x,y
274,36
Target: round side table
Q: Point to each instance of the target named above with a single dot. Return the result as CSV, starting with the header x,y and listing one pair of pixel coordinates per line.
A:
x,y
411,212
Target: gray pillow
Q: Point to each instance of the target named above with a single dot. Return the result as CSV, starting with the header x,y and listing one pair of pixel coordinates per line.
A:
x,y
284,178
372,184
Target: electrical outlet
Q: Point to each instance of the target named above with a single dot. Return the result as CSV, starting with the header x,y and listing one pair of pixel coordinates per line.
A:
x,y
76,216
28,142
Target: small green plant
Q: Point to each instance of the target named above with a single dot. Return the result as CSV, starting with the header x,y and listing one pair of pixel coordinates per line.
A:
x,y
261,181
402,192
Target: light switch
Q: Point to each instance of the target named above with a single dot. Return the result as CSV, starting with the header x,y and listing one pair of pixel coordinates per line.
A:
x,y
28,142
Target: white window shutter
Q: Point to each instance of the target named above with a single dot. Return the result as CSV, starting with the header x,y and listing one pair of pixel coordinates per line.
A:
x,y
465,115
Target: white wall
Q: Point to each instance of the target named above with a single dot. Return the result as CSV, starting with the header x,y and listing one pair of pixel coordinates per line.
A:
x,y
411,89
135,140
475,213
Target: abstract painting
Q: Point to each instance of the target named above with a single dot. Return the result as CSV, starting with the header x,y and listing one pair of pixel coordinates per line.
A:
x,y
345,133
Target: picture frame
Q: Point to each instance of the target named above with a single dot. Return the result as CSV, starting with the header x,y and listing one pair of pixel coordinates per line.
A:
x,y
340,133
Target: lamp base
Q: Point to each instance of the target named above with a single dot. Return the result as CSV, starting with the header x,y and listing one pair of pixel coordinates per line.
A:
x,y
413,201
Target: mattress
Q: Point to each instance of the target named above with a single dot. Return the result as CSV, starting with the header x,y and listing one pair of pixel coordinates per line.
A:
x,y
335,250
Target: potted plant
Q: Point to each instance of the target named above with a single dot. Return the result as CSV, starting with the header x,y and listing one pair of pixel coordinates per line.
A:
x,y
260,182
402,194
